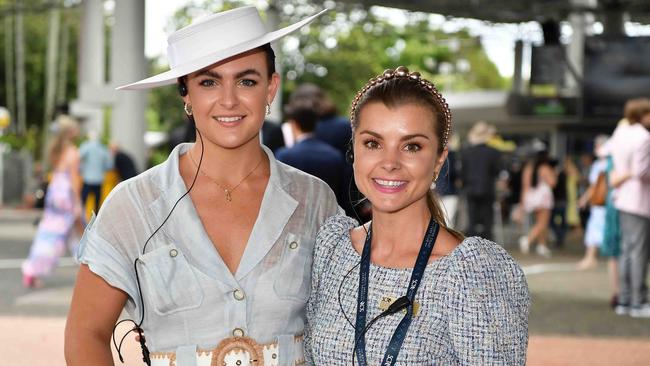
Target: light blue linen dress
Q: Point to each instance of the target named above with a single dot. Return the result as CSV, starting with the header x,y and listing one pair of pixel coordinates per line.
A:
x,y
192,300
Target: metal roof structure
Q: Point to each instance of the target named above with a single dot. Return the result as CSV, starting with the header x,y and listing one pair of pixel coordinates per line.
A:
x,y
517,11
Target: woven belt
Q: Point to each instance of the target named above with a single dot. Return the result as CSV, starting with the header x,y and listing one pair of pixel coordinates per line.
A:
x,y
235,351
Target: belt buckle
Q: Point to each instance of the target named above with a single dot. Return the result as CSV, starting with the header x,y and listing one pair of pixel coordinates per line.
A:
x,y
237,351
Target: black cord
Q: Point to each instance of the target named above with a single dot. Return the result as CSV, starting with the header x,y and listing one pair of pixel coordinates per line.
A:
x,y
353,205
399,304
138,326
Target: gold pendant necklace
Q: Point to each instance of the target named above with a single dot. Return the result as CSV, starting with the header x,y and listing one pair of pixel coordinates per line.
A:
x,y
227,191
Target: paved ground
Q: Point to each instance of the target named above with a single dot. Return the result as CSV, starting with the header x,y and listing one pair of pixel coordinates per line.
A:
x,y
570,322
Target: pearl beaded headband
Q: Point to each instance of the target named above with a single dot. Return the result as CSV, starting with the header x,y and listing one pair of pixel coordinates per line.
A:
x,y
403,72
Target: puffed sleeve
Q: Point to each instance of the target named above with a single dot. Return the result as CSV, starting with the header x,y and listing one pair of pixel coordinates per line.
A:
x,y
487,307
106,256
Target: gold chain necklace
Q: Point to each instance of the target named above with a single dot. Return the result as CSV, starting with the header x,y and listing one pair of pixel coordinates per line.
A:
x,y
226,190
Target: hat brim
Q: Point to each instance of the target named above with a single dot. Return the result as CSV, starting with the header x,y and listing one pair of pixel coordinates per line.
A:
x,y
170,76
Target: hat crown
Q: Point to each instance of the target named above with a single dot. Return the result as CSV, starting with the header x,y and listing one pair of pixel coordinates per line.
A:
x,y
217,31
213,39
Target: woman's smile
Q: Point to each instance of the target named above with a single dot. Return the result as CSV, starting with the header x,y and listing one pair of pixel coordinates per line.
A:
x,y
389,185
229,121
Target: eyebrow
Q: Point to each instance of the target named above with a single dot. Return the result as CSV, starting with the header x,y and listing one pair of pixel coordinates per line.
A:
x,y
404,138
239,75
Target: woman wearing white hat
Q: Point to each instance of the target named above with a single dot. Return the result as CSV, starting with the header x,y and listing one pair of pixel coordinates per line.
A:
x,y
209,252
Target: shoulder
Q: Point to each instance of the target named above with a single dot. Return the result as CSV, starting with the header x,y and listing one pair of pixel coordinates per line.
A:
x,y
298,179
478,262
281,152
331,234
335,226
134,194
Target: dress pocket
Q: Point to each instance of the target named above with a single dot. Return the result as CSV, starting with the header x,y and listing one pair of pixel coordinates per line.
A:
x,y
293,278
169,280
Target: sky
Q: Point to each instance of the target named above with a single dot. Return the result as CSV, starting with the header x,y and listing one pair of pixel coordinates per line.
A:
x,y
157,14
498,39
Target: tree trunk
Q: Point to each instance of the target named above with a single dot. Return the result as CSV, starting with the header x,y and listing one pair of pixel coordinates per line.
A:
x,y
9,71
61,94
50,72
20,69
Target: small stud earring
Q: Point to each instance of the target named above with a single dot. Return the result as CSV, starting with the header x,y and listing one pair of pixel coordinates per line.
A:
x,y
268,109
188,109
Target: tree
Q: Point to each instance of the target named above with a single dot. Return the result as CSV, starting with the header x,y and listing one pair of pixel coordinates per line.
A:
x,y
35,28
347,46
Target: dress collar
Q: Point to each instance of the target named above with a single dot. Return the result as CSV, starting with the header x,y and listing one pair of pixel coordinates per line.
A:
x,y
186,231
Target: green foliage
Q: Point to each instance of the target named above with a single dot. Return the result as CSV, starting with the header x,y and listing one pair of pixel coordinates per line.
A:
x,y
165,107
346,47
36,28
349,45
28,141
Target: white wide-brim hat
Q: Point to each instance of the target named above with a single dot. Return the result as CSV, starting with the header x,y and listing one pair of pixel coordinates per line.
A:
x,y
213,39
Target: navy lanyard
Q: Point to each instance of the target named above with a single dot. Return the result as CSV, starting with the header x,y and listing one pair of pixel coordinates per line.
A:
x,y
362,301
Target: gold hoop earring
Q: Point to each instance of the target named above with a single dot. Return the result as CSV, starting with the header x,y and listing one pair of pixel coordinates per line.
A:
x,y
268,109
188,109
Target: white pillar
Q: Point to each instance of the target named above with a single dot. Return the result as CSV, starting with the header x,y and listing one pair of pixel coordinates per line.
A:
x,y
579,21
128,64
91,64
575,51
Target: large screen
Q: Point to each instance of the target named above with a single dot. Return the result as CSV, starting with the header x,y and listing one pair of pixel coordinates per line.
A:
x,y
616,69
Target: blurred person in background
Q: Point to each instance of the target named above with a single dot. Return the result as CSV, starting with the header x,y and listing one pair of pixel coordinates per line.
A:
x,y
334,130
62,209
630,151
480,166
272,135
585,161
611,246
537,181
565,201
95,162
122,162
309,154
595,229
330,128
558,224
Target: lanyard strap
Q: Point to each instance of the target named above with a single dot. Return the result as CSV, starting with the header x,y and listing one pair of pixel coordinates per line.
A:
x,y
362,301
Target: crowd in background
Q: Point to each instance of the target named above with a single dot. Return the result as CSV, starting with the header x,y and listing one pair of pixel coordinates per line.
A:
x,y
485,186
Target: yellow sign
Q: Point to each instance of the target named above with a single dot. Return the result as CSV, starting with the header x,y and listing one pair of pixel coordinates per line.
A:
x,y
5,118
